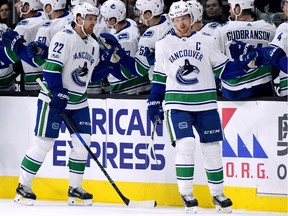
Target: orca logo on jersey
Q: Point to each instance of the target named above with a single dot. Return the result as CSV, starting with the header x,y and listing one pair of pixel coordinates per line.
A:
x,y
185,74
79,75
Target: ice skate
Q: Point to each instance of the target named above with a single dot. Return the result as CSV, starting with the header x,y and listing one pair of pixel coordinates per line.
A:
x,y
78,196
190,203
222,203
24,195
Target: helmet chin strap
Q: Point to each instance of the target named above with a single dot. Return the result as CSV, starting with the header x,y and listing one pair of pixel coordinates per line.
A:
x,y
193,21
23,13
236,16
145,21
82,27
111,26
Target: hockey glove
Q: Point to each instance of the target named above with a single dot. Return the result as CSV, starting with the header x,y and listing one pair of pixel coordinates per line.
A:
x,y
109,40
247,61
155,111
238,48
114,51
59,100
12,40
118,54
112,55
268,56
37,49
150,55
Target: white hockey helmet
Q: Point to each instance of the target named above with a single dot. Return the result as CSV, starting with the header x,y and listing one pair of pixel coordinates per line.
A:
x,y
244,4
113,9
59,4
197,9
34,5
55,4
92,2
85,9
45,2
178,9
155,6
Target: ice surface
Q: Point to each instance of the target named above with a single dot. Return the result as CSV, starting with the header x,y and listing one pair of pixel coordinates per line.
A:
x,y
51,208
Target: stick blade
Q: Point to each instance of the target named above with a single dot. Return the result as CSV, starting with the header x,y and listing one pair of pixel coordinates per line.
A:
x,y
142,204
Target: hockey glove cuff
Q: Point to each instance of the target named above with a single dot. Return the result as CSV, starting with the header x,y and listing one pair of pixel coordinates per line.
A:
x,y
12,40
37,49
268,55
155,111
59,100
238,48
150,55
247,61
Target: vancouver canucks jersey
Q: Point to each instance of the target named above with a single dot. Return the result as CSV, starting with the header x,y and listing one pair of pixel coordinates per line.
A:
x,y
28,28
148,40
257,33
50,28
209,28
128,38
281,40
75,58
187,66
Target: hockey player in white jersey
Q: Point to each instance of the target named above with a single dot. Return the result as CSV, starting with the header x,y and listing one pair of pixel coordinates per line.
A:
x,y
185,66
114,14
101,26
205,29
73,56
28,27
7,78
150,12
197,10
59,18
276,53
281,41
257,33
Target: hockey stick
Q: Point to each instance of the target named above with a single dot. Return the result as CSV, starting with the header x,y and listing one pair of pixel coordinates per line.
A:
x,y
152,140
128,202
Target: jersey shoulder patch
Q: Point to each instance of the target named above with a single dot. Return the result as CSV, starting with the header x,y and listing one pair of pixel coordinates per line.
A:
x,y
23,22
148,34
213,25
46,24
68,31
123,36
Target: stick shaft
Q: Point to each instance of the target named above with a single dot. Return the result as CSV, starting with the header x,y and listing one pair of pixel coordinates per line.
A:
x,y
74,130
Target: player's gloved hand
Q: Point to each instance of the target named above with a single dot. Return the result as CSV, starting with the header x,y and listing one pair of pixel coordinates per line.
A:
x,y
114,51
247,61
37,49
59,100
11,39
238,48
155,111
150,55
113,55
109,40
268,55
